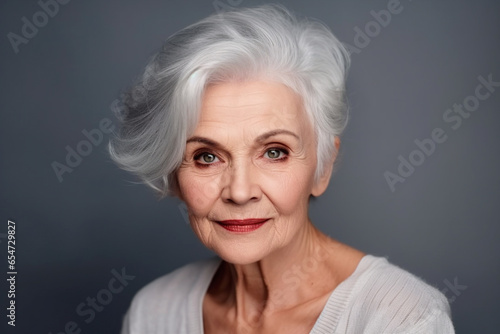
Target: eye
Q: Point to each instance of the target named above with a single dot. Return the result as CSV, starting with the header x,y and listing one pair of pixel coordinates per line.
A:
x,y
206,158
276,153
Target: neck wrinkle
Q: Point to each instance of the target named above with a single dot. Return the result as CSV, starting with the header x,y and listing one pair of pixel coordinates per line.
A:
x,y
282,280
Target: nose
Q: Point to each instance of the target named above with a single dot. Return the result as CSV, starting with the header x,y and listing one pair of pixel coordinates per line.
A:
x,y
239,184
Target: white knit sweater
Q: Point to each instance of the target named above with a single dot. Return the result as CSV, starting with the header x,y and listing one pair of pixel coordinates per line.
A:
x,y
377,298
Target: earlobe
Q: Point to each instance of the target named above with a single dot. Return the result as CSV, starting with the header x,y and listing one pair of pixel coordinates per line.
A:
x,y
337,144
320,186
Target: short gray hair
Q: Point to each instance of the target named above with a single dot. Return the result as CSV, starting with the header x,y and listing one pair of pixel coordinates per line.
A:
x,y
268,41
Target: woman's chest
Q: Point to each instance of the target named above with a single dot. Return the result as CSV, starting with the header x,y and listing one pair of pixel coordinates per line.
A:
x,y
219,319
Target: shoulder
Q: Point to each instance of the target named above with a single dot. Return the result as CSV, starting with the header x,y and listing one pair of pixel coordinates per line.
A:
x,y
180,280
392,300
391,283
169,300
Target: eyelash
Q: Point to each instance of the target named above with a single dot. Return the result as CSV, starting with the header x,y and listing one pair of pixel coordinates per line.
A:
x,y
206,165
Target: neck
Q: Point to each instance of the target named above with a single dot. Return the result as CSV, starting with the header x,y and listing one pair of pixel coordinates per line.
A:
x,y
289,277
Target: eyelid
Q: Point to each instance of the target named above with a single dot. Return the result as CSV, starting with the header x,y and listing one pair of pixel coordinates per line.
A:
x,y
198,154
271,146
285,151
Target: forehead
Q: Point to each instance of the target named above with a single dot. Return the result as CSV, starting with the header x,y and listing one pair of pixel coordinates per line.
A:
x,y
257,103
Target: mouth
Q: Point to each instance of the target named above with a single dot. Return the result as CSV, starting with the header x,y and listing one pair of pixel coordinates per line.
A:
x,y
243,225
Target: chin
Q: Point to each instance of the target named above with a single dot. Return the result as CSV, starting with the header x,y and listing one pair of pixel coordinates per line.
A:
x,y
241,255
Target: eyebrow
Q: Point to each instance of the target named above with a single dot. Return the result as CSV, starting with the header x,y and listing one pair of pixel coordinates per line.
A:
x,y
259,139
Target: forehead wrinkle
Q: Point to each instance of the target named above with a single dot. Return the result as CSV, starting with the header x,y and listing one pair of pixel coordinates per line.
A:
x,y
248,142
233,116
232,105
258,114
235,100
251,134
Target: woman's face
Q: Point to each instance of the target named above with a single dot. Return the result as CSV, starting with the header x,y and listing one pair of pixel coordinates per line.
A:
x,y
252,156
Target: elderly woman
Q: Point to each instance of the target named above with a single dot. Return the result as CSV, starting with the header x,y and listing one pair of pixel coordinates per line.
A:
x,y
239,115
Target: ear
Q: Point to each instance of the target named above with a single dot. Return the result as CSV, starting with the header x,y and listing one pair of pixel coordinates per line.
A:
x,y
320,186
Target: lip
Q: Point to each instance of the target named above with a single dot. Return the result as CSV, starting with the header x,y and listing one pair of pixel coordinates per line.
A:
x,y
242,225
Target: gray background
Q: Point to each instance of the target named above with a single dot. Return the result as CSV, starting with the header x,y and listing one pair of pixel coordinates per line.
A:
x,y
441,224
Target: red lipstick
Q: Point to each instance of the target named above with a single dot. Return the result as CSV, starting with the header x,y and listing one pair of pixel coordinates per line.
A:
x,y
242,225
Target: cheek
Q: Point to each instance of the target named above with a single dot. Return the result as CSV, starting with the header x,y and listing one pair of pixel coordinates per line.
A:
x,y
198,192
288,191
